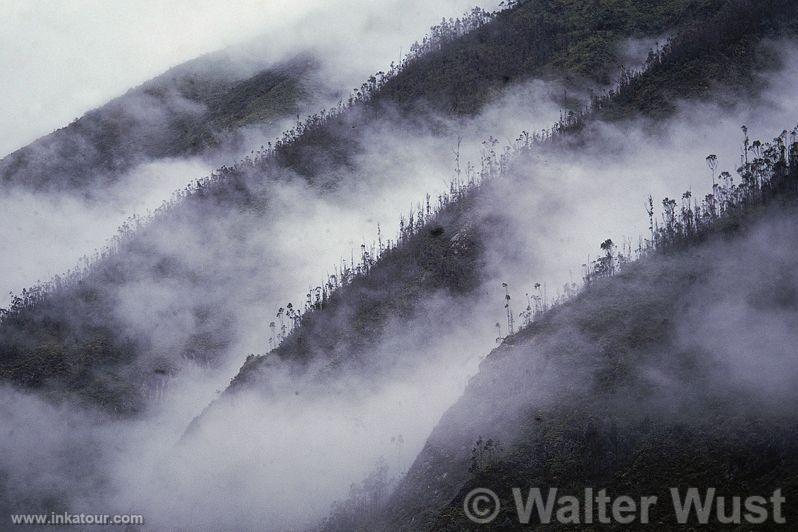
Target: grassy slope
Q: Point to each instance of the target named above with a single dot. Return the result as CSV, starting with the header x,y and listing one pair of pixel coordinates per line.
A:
x,y
73,329
605,392
185,111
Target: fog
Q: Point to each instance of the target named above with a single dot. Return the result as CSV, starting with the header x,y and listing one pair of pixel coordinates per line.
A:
x,y
576,199
744,318
278,256
112,50
698,339
293,454
47,234
58,60
592,195
284,458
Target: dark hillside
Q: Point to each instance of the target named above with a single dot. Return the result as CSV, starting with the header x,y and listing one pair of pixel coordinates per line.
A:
x,y
709,56
627,388
575,39
674,370
189,110
444,257
576,42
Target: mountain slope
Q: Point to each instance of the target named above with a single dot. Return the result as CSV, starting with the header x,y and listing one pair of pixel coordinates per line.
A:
x,y
455,76
73,320
675,372
677,368
82,316
190,110
547,37
677,73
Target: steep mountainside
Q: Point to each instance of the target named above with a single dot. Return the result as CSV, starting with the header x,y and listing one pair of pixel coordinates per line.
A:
x,y
676,372
387,397
189,110
363,310
70,337
577,42
548,37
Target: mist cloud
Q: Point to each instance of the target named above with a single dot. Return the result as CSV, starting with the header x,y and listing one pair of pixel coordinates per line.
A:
x,y
258,457
59,59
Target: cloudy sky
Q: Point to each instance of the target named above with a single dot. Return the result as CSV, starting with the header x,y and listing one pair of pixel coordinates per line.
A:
x,y
60,58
